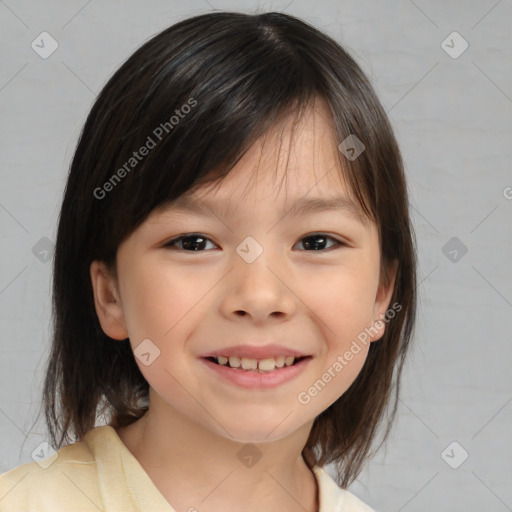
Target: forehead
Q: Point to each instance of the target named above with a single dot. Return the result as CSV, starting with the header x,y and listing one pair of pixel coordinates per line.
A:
x,y
301,152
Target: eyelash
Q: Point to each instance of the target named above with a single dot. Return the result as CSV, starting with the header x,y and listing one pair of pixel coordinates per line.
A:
x,y
172,243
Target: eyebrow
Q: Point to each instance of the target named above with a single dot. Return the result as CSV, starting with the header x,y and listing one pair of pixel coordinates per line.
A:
x,y
303,206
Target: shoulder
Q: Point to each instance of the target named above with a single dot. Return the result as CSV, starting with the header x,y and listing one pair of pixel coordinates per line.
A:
x,y
67,479
335,499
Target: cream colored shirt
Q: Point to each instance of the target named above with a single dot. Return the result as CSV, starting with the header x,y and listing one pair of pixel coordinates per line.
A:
x,y
99,473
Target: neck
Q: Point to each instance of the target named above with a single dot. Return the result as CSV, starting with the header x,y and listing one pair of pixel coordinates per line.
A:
x,y
192,466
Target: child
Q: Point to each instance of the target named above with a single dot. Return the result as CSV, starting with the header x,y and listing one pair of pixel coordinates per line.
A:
x,y
237,335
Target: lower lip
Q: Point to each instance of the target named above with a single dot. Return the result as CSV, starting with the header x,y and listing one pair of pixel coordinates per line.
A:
x,y
254,380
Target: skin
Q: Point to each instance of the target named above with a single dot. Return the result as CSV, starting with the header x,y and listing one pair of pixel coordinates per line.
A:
x,y
189,303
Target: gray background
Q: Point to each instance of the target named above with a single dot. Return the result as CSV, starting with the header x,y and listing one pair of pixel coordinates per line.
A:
x,y
453,119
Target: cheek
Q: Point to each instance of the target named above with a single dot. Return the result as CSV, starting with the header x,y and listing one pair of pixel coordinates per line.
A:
x,y
158,300
342,301
159,309
343,307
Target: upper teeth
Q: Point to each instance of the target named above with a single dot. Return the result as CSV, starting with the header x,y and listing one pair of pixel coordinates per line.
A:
x,y
247,363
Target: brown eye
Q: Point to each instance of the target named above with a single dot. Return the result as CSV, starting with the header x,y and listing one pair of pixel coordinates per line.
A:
x,y
193,242
190,242
316,242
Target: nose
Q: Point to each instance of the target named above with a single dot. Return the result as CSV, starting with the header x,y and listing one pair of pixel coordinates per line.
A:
x,y
260,290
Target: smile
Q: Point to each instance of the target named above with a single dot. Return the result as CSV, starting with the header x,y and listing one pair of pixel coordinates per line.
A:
x,y
257,365
256,373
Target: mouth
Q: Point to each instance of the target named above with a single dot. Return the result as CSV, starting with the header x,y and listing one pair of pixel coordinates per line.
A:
x,y
256,374
247,364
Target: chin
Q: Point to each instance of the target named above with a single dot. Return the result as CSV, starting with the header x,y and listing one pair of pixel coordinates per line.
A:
x,y
256,431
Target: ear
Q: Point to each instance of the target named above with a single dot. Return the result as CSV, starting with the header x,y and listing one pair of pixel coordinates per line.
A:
x,y
107,301
382,300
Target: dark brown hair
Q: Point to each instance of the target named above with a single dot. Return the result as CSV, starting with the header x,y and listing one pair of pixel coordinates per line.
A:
x,y
236,74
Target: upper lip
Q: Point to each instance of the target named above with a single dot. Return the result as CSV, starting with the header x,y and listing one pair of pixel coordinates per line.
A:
x,y
255,352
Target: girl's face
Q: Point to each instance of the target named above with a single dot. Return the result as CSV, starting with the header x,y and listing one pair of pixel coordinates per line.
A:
x,y
266,266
